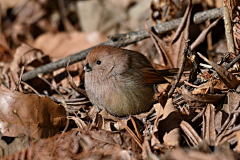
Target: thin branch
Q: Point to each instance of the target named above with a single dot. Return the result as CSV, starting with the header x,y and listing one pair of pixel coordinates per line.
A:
x,y
199,115
129,38
229,65
181,69
228,28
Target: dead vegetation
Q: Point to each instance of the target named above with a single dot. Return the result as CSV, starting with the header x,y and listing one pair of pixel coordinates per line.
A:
x,y
45,113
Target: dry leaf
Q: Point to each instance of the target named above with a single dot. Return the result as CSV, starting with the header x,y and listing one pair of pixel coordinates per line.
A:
x,y
159,112
226,111
32,115
26,55
170,133
203,34
226,77
171,54
217,86
200,100
238,144
210,132
19,143
191,133
64,44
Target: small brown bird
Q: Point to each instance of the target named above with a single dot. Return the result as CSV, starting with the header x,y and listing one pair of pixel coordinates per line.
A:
x,y
120,81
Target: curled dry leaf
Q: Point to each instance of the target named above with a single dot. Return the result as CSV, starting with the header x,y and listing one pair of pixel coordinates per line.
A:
x,y
159,112
200,100
147,151
172,53
29,57
26,55
226,77
190,133
217,86
210,132
227,110
32,115
109,122
203,34
76,72
169,125
233,99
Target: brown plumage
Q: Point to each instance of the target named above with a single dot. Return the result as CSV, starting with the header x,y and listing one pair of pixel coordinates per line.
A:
x,y
120,81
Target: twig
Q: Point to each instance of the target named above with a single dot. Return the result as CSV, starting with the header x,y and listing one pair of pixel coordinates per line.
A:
x,y
192,85
187,141
199,115
234,129
36,92
202,36
46,81
223,130
207,15
228,28
180,71
228,119
232,135
207,23
71,100
136,129
131,37
131,133
229,65
78,103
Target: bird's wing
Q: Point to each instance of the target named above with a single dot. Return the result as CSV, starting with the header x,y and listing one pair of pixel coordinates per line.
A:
x,y
151,76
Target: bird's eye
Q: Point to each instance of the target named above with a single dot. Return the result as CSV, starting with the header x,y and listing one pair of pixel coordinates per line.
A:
x,y
98,62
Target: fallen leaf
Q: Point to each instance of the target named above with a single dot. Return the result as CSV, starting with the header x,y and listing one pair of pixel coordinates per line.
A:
x,y
217,86
64,44
28,56
210,132
200,100
171,54
35,116
203,34
227,110
170,133
191,133
226,77
18,143
159,112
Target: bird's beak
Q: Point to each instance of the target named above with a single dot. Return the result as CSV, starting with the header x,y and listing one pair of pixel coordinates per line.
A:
x,y
87,68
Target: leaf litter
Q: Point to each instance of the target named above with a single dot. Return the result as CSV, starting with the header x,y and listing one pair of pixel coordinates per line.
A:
x,y
40,120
